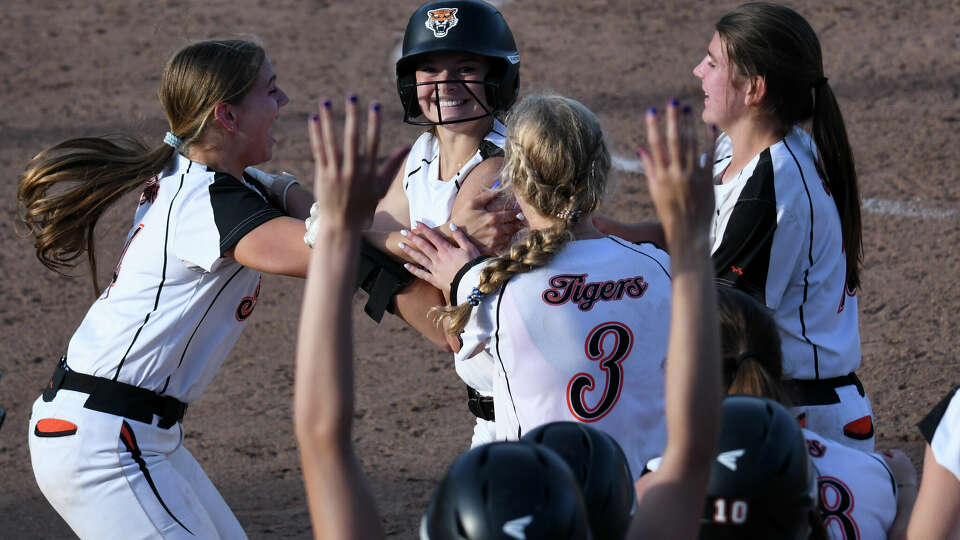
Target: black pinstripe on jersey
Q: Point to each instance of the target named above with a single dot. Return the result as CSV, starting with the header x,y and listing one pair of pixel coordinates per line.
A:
x,y
163,273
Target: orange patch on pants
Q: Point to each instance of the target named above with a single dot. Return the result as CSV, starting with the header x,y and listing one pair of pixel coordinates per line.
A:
x,y
860,429
53,427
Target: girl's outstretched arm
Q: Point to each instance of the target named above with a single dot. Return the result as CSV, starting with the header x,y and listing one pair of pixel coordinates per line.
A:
x,y
341,503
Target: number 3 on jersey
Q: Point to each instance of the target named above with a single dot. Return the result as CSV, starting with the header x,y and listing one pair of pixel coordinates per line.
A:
x,y
608,343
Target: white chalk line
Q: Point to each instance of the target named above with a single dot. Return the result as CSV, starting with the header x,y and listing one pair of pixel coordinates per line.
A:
x,y
904,209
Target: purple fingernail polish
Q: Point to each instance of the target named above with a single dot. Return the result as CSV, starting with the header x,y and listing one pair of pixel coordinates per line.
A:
x,y
652,110
326,104
353,98
686,109
315,117
674,102
376,106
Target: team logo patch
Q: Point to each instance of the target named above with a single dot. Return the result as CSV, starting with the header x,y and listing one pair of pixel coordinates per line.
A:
x,y
441,20
247,303
729,458
150,190
816,448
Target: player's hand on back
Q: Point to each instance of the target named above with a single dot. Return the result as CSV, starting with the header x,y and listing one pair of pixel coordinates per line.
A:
x,y
681,188
347,186
438,260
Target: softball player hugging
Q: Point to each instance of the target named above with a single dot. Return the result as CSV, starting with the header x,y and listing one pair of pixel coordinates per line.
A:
x,y
575,322
459,68
106,436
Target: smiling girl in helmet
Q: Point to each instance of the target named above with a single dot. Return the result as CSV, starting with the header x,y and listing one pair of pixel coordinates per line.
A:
x,y
459,69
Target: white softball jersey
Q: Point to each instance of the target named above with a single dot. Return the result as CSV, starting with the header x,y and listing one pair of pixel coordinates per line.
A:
x,y
175,306
430,198
777,236
858,492
166,321
941,429
582,339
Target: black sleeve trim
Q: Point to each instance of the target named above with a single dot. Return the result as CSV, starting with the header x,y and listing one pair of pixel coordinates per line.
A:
x,y
928,426
462,272
237,210
489,150
743,257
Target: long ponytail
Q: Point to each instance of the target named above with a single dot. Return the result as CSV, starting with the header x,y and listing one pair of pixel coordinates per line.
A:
x,y
837,167
96,172
66,188
778,44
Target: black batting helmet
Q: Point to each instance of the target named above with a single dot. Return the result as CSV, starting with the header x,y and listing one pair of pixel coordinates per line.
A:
x,y
762,485
471,26
600,467
506,490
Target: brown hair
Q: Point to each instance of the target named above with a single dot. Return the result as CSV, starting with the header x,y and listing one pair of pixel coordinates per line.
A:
x,y
555,159
752,358
776,43
66,188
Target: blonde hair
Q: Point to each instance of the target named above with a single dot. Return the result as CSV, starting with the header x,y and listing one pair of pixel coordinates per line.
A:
x,y
92,173
556,159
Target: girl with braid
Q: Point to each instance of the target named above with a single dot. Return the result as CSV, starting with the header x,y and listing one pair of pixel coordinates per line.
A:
x,y
573,323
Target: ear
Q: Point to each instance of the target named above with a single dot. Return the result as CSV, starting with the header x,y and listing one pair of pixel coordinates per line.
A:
x,y
756,90
224,116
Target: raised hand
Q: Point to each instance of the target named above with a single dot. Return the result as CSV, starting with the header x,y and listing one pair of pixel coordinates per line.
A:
x,y
347,188
681,189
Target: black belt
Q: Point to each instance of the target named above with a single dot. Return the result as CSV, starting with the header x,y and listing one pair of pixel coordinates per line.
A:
x,y
481,406
115,397
819,391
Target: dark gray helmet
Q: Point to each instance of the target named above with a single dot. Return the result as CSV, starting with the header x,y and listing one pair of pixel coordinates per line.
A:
x,y
470,26
600,466
762,485
506,490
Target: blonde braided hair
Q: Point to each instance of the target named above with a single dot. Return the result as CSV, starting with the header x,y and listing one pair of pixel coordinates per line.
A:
x,y
555,159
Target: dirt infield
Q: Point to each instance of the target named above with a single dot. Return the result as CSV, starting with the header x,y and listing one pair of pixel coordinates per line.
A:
x,y
72,68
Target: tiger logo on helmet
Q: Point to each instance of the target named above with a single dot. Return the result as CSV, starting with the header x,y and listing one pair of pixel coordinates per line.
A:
x,y
441,20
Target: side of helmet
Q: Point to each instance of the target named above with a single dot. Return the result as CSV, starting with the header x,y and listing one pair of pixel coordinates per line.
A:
x,y
763,484
600,467
506,490
470,26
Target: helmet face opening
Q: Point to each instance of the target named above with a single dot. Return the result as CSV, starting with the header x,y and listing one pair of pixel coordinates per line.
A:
x,y
409,94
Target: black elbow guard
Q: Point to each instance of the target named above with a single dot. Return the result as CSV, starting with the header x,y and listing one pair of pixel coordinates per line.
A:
x,y
382,277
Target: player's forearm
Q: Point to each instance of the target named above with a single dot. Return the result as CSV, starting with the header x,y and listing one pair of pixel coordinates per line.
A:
x,y
323,392
388,242
693,385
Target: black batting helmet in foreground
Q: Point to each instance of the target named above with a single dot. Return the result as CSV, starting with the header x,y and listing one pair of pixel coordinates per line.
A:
x,y
762,485
600,467
469,26
506,491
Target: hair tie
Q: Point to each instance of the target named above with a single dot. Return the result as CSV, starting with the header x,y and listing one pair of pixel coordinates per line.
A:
x,y
475,297
819,82
743,356
572,215
172,140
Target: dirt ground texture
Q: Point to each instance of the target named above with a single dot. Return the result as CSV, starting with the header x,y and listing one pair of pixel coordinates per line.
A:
x,y
70,68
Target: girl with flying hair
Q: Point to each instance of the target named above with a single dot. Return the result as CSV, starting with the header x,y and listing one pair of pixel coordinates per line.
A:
x,y
574,321
787,229
106,435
